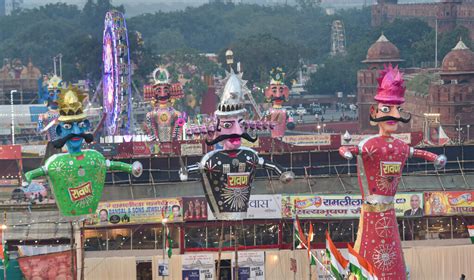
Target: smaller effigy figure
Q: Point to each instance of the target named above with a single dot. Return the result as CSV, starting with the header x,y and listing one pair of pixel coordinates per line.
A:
x,y
277,93
164,123
47,121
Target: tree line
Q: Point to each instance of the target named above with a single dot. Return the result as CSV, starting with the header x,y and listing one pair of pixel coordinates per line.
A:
x,y
262,37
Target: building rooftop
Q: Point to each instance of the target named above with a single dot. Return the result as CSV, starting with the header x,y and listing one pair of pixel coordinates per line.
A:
x,y
382,51
460,60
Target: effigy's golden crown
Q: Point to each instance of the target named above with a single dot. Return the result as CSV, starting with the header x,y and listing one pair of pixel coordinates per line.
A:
x,y
70,105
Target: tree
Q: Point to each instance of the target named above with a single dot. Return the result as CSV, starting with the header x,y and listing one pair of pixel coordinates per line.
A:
x,y
260,53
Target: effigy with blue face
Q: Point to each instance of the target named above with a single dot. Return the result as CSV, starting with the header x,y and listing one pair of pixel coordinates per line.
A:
x,y
228,172
77,177
47,121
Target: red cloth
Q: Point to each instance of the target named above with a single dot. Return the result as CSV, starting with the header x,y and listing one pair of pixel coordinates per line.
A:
x,y
47,267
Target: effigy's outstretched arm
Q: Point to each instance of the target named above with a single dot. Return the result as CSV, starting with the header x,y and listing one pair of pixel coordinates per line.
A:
x,y
348,152
439,161
35,173
178,126
285,175
40,125
150,128
290,124
186,170
135,168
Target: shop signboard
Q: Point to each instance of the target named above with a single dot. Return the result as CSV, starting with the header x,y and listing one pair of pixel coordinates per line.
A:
x,y
138,212
261,206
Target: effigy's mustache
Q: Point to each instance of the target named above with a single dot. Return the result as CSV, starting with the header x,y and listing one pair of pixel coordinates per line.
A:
x,y
60,142
390,118
223,137
282,98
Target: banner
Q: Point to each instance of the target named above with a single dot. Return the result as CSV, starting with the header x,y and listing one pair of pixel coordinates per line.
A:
x,y
10,152
356,138
253,145
449,203
138,212
198,267
308,140
106,149
191,149
251,265
409,204
261,206
195,209
340,206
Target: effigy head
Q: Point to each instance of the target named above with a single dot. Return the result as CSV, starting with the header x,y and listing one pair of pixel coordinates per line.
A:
x,y
73,124
277,92
163,90
390,96
54,88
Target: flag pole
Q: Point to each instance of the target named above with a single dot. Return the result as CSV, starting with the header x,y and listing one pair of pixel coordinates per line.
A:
x,y
4,228
319,262
294,241
164,245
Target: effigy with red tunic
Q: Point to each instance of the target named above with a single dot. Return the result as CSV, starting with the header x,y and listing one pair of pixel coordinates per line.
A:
x,y
380,161
277,93
164,123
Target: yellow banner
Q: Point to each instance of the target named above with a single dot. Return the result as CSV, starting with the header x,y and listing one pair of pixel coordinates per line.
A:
x,y
138,212
449,203
344,206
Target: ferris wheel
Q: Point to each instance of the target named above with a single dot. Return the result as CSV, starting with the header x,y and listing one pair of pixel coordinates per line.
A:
x,y
116,76
338,38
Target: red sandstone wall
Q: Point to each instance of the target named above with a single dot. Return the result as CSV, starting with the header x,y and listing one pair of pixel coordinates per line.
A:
x,y
448,14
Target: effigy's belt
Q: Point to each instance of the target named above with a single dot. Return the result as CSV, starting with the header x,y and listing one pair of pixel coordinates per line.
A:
x,y
378,203
377,207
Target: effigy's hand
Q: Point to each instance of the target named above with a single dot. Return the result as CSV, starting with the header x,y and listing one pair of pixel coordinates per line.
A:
x,y
287,177
345,153
440,162
137,169
183,174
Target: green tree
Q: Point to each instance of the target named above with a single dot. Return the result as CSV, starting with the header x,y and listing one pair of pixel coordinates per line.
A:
x,y
260,53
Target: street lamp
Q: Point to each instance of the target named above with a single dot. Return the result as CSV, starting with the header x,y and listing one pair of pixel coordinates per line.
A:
x,y
318,127
459,129
12,114
468,127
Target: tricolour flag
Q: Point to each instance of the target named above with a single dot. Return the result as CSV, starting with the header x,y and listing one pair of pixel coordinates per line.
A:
x,y
3,250
471,232
312,258
339,264
359,266
299,234
169,242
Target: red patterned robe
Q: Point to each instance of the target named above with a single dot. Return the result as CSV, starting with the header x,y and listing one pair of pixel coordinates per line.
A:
x,y
380,161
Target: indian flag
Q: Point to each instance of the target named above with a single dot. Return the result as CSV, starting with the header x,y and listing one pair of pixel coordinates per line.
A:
x,y
299,234
169,242
338,262
471,232
359,266
312,258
